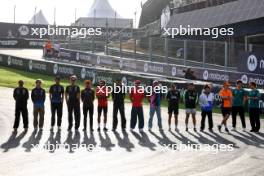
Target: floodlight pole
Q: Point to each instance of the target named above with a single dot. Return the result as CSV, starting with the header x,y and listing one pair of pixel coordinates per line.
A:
x,y
14,14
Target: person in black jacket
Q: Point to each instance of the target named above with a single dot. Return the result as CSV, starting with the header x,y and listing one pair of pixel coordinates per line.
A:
x,y
72,96
88,96
38,96
118,97
21,97
56,99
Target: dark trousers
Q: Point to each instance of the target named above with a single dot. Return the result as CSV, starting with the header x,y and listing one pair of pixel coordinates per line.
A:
x,y
76,110
56,107
209,114
87,109
137,113
254,115
24,111
238,110
121,110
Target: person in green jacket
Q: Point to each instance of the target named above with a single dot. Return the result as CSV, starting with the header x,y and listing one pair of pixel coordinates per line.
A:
x,y
254,107
239,97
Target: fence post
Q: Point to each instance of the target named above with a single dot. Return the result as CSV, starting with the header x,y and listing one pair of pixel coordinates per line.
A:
x,y
204,53
120,45
226,55
166,48
150,48
185,50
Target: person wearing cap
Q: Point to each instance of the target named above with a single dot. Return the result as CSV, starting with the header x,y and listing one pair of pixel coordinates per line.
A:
x,y
206,101
173,98
118,96
239,98
72,96
102,95
137,96
87,97
254,107
227,99
21,96
38,97
56,94
155,102
190,100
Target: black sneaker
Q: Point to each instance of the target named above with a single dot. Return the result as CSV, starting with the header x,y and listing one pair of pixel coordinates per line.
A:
x,y
98,129
219,127
186,129
105,129
227,130
91,130
252,130
195,130
201,130
114,130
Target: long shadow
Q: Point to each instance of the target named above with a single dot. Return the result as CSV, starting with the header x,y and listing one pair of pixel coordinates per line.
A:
x,y
144,140
53,142
33,141
13,141
182,138
220,140
254,137
106,142
124,142
202,139
89,141
163,140
72,142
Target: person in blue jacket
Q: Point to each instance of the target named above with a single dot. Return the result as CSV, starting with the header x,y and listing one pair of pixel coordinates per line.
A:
x,y
38,97
206,101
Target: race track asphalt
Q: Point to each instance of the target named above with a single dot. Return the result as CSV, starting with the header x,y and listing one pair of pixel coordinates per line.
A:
x,y
125,153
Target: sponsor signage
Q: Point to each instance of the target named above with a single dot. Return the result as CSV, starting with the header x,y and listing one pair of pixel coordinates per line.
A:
x,y
252,63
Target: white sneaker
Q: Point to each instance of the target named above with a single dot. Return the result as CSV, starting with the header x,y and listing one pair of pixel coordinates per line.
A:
x,y
244,130
234,129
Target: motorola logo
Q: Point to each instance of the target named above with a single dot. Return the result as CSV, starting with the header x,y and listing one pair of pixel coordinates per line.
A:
x,y
206,75
244,79
252,63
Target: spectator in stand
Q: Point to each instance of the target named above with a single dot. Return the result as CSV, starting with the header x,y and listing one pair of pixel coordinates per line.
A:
x,y
254,107
48,49
102,95
137,96
189,74
206,101
227,99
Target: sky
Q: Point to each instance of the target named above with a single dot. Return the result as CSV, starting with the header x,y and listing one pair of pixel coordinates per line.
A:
x,y
65,9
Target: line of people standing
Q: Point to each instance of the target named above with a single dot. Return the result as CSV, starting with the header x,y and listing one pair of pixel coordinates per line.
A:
x,y
233,103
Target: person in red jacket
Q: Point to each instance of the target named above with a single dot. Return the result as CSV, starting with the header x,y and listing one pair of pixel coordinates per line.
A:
x,y
102,95
137,96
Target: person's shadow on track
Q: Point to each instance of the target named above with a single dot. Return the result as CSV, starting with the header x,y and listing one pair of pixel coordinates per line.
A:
x,y
124,142
33,141
183,139
54,141
144,140
89,141
221,140
202,139
72,142
106,141
163,140
13,141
